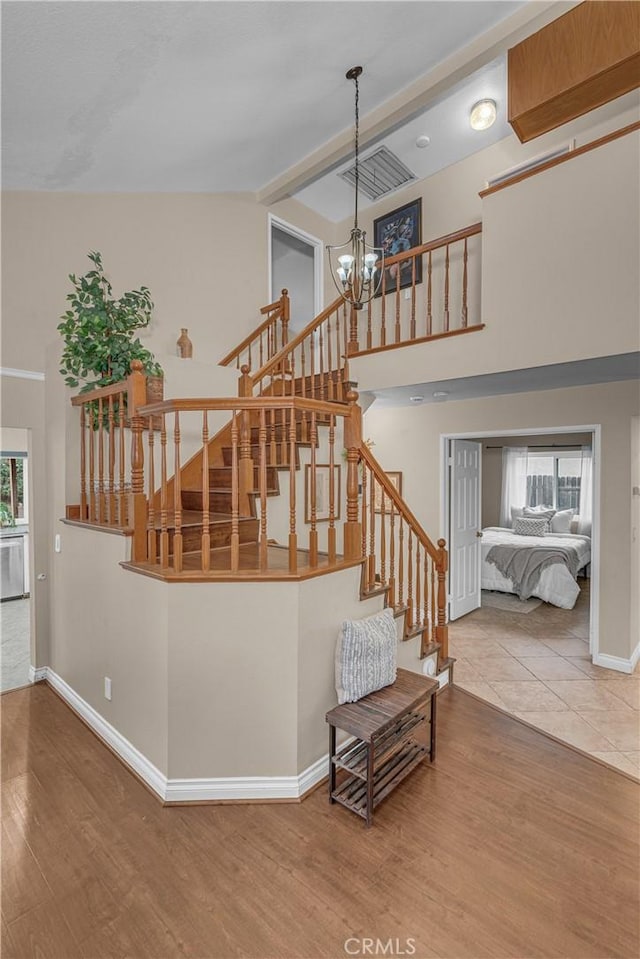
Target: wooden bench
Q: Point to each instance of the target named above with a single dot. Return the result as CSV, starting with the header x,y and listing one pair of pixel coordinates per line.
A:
x,y
385,749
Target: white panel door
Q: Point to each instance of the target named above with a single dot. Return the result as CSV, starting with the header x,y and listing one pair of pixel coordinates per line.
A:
x,y
464,528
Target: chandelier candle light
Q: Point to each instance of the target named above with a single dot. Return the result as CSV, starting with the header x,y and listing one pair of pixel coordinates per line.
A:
x,y
359,273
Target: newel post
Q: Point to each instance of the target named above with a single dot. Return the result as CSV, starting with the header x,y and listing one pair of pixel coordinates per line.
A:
x,y
442,630
353,345
137,397
353,441
285,316
245,383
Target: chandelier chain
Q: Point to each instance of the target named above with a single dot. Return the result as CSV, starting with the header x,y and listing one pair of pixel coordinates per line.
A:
x,y
357,138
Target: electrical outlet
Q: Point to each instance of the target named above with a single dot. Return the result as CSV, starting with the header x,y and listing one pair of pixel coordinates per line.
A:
x,y
407,294
107,688
57,543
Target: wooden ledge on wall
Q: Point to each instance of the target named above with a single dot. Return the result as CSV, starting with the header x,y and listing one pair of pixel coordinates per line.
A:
x,y
580,61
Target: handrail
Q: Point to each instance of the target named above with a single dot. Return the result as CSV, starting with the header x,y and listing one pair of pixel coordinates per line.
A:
x,y
200,404
279,310
440,241
398,501
289,347
99,393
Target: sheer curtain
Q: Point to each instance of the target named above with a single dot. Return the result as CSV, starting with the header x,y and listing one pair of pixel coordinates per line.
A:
x,y
514,481
586,492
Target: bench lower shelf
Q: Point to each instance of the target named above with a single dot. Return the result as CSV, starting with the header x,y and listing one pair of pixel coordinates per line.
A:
x,y
352,791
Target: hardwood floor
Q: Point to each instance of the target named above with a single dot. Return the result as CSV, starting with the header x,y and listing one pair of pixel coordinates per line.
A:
x,y
511,845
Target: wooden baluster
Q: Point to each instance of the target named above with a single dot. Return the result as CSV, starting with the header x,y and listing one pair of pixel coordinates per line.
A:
x,y
409,619
83,462
330,370
398,329
284,439
269,353
446,289
101,493
425,598
249,355
273,449
205,547
312,360
339,362
331,533
364,479
304,432
353,442
383,538
442,630
401,563
418,583
111,511
372,530
164,497
177,497
345,330
293,536
137,513
433,599
413,298
429,296
262,486
392,557
321,356
245,477
235,496
93,513
369,330
313,532
383,310
152,545
465,256
122,497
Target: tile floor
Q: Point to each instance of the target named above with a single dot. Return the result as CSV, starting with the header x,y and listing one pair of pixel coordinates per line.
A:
x,y
15,655
537,666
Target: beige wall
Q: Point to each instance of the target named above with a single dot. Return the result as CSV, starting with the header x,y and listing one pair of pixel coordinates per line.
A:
x,y
408,439
634,568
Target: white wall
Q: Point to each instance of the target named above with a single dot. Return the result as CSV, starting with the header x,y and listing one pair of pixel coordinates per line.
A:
x,y
293,268
408,439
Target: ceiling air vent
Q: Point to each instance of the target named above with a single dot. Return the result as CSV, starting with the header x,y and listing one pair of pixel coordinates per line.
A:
x,y
380,173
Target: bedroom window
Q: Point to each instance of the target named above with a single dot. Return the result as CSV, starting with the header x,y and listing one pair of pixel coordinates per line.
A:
x,y
553,479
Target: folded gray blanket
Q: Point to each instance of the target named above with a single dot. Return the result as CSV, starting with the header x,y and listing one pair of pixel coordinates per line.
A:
x,y
523,565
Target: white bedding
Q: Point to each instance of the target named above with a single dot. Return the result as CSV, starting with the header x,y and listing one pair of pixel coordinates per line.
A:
x,y
557,585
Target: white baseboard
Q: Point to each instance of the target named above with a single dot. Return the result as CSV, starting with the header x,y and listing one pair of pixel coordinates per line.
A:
x,y
236,788
37,674
617,662
131,756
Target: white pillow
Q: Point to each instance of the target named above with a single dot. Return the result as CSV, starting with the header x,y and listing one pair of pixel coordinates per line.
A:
x,y
539,512
561,522
366,656
516,513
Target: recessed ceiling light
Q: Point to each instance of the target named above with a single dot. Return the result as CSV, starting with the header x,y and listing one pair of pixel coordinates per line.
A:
x,y
423,142
483,114
440,394
416,399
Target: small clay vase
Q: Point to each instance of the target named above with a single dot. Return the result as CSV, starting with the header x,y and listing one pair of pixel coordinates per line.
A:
x,y
184,346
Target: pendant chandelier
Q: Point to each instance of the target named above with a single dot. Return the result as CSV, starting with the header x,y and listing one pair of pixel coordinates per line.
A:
x,y
359,271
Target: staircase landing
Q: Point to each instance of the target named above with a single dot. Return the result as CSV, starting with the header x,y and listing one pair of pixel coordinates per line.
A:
x,y
249,567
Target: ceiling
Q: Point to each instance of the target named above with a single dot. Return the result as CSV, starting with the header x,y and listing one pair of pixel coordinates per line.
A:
x,y
218,96
604,369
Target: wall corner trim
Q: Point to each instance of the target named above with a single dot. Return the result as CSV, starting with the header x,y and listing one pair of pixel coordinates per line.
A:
x,y
223,789
617,662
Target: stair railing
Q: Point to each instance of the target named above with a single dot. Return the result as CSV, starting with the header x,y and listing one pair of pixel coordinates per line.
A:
x,y
220,525
266,340
111,455
313,363
400,557
427,292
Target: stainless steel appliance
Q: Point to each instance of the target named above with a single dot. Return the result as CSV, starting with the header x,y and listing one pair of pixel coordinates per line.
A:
x,y
11,567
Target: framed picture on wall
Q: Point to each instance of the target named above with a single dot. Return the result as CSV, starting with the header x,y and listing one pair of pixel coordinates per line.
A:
x,y
396,481
323,487
395,233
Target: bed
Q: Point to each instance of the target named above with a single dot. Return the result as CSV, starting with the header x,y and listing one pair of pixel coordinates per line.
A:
x,y
556,585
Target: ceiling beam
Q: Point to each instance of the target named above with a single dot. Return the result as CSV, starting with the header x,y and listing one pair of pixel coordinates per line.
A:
x,y
417,97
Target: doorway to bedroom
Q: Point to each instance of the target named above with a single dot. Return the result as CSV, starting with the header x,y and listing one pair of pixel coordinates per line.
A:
x,y
518,517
